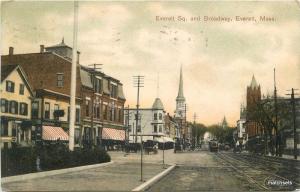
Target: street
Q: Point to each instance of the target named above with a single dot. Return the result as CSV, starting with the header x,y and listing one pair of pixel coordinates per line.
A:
x,y
195,171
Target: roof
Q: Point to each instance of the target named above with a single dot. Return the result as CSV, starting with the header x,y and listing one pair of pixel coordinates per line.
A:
x,y
61,44
253,83
120,92
86,78
157,104
180,95
6,70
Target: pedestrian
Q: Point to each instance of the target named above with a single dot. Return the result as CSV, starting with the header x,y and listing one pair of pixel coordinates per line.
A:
x,y
38,164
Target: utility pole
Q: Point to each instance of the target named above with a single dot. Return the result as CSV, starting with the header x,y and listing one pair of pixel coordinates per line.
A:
x,y
195,136
276,118
294,122
185,125
73,80
94,68
127,126
138,82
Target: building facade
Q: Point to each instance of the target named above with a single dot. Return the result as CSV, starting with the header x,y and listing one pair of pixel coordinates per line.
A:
x,y
253,98
16,97
100,99
151,123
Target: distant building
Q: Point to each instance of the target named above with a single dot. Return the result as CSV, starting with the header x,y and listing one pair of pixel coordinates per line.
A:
x,y
151,123
171,127
241,135
16,97
180,112
253,98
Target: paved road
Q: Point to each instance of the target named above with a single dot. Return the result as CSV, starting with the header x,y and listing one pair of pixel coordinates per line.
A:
x,y
226,172
195,171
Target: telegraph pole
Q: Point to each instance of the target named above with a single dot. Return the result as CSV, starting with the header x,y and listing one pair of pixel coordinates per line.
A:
x,y
276,118
94,68
195,136
73,80
294,122
138,82
127,126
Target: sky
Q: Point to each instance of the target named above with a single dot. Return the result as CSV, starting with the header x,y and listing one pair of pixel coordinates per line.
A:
x,y
218,58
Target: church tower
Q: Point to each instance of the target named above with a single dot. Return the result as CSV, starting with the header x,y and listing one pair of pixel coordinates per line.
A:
x,y
180,100
253,97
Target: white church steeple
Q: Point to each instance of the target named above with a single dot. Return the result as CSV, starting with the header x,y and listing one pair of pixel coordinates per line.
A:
x,y
180,100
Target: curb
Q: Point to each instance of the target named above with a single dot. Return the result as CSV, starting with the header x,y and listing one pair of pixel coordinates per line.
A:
x,y
154,179
50,173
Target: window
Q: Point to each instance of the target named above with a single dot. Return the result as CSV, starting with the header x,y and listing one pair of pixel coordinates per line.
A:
x,y
4,128
155,129
21,90
60,79
13,107
55,114
10,86
77,118
47,110
113,91
87,108
120,115
23,109
160,128
98,85
35,109
155,116
77,136
105,112
95,110
160,116
111,112
98,111
4,106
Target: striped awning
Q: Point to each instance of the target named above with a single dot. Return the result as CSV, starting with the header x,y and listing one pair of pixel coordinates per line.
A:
x,y
113,134
54,133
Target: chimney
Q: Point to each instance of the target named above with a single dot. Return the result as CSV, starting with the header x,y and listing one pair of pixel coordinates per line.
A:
x,y
42,48
78,54
11,51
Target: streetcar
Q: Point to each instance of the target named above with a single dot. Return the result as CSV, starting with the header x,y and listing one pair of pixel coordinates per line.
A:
x,y
213,146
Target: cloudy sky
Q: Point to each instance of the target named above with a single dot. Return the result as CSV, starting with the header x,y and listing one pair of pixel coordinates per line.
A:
x,y
218,57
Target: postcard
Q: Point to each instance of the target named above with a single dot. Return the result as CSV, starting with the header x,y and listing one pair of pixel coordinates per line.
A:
x,y
150,95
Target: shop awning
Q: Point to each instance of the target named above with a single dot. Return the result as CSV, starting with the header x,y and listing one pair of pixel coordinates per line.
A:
x,y
54,133
163,139
113,134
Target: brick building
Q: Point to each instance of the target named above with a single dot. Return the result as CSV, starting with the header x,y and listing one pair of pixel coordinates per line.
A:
x,y
100,99
253,97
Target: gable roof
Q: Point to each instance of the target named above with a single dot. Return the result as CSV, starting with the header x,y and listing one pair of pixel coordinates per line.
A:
x,y
6,70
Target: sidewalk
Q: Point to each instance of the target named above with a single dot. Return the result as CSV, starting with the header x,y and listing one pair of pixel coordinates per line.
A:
x,y
123,175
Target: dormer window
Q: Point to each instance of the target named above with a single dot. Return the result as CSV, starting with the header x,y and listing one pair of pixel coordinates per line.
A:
x,y
60,79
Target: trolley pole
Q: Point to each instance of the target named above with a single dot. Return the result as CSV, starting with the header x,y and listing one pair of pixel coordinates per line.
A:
x,y
139,82
276,118
73,80
294,122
